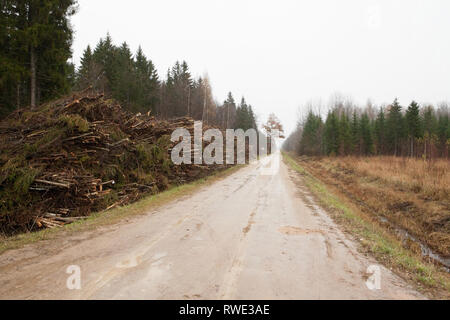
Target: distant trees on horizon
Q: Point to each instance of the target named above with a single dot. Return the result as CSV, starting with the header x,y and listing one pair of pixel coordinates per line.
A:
x,y
413,131
35,48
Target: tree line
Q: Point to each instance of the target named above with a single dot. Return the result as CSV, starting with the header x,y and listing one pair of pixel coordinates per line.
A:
x,y
413,131
35,48
133,80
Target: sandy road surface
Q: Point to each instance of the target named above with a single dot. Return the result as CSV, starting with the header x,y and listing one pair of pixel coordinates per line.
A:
x,y
251,235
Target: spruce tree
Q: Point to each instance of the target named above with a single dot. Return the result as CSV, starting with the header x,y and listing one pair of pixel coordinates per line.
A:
x,y
241,114
366,135
429,125
38,37
380,132
105,57
355,134
395,128
443,132
429,121
185,86
245,118
345,135
88,70
251,118
331,134
311,141
146,83
13,60
133,81
230,112
413,124
124,80
183,96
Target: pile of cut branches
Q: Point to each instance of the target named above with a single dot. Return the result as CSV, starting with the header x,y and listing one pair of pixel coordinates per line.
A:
x,y
82,154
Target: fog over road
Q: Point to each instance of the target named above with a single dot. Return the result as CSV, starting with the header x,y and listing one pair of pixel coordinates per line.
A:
x,y
252,235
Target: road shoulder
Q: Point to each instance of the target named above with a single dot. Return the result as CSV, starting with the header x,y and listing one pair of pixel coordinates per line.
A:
x,y
372,238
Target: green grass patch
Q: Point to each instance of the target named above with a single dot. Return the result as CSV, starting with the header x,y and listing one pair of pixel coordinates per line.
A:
x,y
74,122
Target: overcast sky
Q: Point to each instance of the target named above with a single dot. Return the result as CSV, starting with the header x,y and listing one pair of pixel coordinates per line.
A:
x,y
280,54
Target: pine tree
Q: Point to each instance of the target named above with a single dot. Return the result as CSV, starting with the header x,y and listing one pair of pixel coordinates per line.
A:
x,y
197,99
245,118
413,124
380,132
230,111
331,134
241,115
36,41
252,118
147,83
311,141
88,71
355,134
395,128
105,57
429,125
429,121
366,135
49,37
123,82
345,135
12,60
443,132
185,86
182,95
133,81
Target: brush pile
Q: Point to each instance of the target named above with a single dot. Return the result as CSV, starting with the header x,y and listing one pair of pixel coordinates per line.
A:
x,y
83,154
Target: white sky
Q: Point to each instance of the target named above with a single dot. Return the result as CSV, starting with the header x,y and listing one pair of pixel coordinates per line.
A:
x,y
280,54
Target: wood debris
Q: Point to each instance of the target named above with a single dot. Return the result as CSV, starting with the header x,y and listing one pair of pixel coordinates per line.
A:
x,y
83,154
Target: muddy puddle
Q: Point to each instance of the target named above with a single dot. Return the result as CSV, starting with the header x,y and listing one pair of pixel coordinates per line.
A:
x,y
427,252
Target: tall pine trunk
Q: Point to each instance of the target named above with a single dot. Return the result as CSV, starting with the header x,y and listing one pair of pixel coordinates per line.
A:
x,y
33,77
18,95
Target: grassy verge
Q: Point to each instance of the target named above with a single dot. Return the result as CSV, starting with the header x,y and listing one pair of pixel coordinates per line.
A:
x,y
375,239
116,215
409,194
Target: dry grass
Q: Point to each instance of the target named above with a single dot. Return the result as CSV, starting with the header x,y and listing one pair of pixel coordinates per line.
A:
x,y
430,179
355,199
411,194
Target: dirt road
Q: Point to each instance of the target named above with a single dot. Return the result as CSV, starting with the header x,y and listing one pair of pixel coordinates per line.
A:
x,y
249,236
